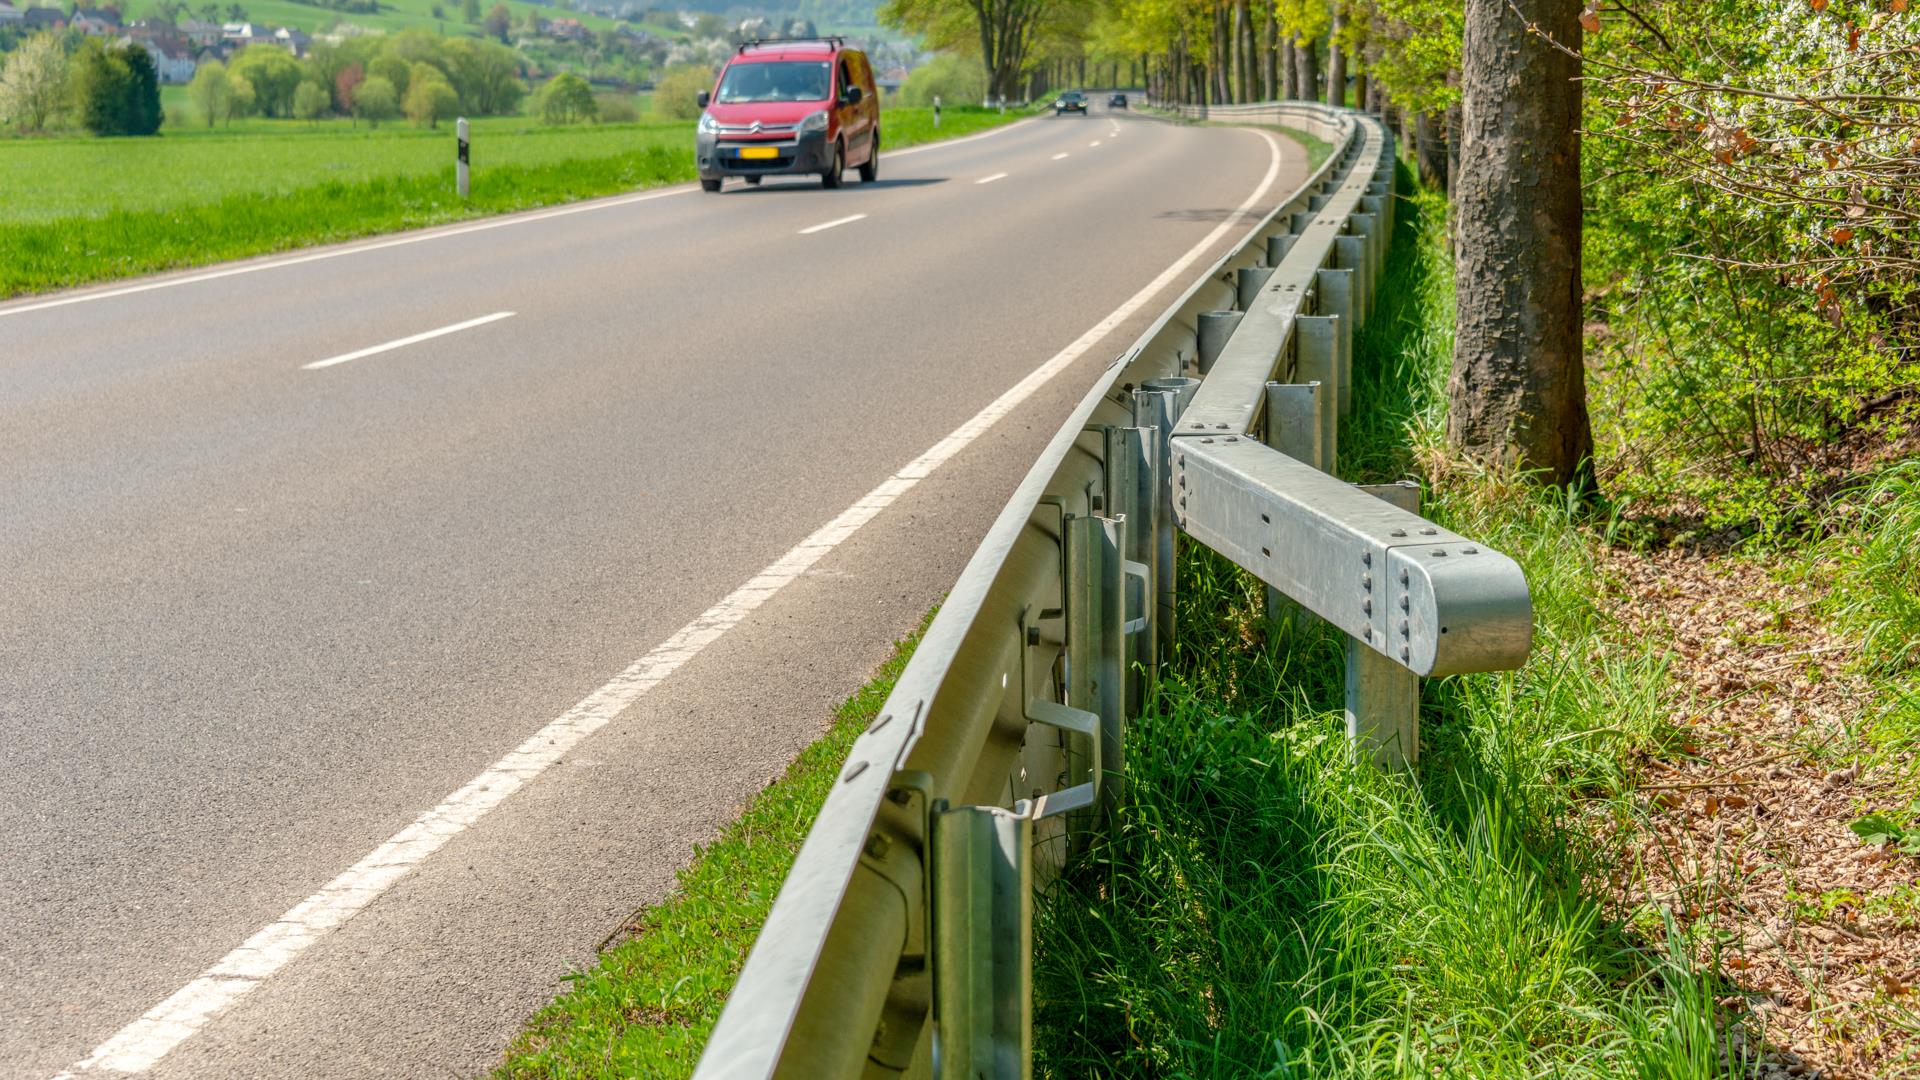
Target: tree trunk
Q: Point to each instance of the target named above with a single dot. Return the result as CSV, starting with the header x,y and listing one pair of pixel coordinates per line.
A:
x,y
1360,91
1430,150
1291,80
1243,48
1518,389
1336,62
1269,67
1307,66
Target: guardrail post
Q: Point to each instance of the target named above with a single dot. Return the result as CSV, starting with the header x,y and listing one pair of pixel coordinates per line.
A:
x,y
1350,253
1157,406
1215,328
1334,288
1317,359
1249,282
1367,225
1382,697
1277,247
1131,497
1096,661
982,942
1293,428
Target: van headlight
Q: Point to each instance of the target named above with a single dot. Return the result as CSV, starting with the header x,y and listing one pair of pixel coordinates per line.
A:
x,y
708,125
815,122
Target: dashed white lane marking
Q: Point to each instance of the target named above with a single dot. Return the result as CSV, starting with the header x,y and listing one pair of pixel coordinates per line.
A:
x,y
1094,143
1057,157
414,339
991,179
435,234
825,225
141,1044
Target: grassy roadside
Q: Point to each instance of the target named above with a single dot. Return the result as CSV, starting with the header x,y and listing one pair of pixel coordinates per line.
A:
x,y
391,188
645,1010
1264,907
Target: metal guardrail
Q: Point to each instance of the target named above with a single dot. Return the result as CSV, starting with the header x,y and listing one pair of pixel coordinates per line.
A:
x,y
900,942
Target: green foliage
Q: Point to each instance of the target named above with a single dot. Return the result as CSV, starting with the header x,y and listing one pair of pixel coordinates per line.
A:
x,y
211,92
273,74
646,1007
33,82
568,100
375,100
955,80
429,98
1872,559
616,108
1902,831
114,91
674,95
1748,354
311,101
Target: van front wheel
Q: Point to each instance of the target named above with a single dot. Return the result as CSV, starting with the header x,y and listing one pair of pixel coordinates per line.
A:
x,y
831,178
870,170
709,185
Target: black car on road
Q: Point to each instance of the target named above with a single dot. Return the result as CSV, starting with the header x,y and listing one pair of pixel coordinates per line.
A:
x,y
1071,101
1117,101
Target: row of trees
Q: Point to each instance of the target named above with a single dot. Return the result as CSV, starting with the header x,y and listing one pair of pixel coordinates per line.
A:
x,y
1752,168
415,73
109,89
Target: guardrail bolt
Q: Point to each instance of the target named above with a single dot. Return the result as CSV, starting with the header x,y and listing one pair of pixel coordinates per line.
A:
x,y
878,845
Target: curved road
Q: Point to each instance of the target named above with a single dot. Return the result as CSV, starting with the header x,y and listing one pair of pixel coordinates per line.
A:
x,y
262,612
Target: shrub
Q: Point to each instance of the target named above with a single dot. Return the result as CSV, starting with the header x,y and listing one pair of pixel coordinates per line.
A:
x,y
568,100
673,95
957,80
616,108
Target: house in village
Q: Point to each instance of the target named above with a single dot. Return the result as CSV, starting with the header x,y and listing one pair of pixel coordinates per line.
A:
x,y
95,22
35,19
199,33
10,14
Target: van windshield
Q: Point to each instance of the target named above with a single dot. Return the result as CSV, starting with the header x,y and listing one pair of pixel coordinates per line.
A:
x,y
775,80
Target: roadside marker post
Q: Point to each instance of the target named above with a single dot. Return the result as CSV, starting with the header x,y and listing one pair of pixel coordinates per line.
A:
x,y
936,112
460,169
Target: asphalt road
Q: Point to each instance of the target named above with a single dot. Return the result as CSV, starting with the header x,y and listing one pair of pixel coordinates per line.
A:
x,y
257,617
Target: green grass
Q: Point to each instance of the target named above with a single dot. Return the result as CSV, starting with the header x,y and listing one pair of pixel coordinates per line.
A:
x,y
1265,907
194,196
645,1010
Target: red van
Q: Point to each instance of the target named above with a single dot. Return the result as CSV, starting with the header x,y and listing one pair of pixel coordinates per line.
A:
x,y
790,107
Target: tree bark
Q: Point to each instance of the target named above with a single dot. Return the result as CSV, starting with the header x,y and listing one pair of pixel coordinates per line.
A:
x,y
1430,150
1291,80
1336,62
1307,65
1269,62
1517,394
1360,91
1243,48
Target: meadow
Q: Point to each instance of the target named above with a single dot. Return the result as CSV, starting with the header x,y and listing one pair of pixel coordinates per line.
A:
x,y
81,210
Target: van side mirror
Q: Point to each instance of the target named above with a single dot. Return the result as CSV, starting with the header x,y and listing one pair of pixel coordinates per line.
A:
x,y
854,95
702,98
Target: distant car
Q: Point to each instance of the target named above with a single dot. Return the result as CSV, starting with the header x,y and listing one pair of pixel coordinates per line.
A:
x,y
790,106
1071,101
1117,101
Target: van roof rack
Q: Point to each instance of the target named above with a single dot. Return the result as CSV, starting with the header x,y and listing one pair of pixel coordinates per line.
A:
x,y
834,40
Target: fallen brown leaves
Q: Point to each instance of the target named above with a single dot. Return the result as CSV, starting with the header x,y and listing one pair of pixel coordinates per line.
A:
x,y
1745,833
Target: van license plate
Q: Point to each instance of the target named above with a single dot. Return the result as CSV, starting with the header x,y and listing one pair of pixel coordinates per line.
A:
x,y
759,152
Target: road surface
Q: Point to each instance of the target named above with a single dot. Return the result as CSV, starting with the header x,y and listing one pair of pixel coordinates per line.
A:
x,y
298,549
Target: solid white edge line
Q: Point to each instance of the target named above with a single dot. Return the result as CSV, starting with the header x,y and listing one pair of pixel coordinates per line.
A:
x,y
414,339
1057,157
421,237
141,1044
825,225
991,179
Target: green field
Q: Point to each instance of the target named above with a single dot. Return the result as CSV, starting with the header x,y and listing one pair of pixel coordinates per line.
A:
x,y
81,210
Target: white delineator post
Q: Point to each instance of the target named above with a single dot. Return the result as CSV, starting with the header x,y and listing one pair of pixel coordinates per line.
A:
x,y
460,169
